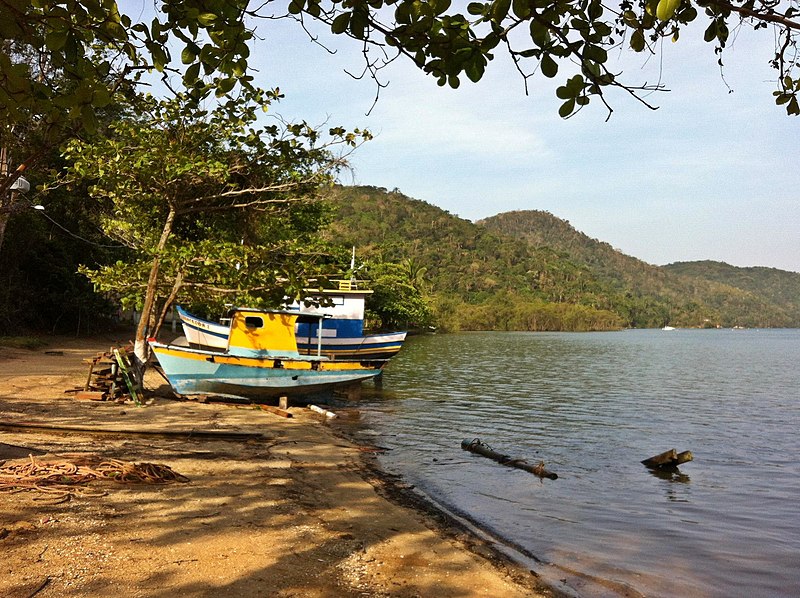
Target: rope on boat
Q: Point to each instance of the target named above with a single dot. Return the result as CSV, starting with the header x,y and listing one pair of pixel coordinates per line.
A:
x,y
62,480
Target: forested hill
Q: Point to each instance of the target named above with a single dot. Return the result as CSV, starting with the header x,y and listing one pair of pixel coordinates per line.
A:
x,y
779,286
532,271
542,229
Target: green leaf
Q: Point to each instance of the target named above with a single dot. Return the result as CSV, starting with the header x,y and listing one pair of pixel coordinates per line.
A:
x,y
549,66
89,119
521,8
475,68
476,8
207,18
667,8
595,53
539,34
637,40
687,14
595,10
358,24
188,55
441,6
55,40
340,23
710,32
159,57
566,108
793,108
630,18
296,7
500,10
192,74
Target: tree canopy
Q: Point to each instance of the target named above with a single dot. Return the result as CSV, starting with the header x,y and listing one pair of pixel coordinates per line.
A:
x,y
570,40
62,60
213,209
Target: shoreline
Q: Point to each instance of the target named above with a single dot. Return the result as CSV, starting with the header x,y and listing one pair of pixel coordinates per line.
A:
x,y
307,511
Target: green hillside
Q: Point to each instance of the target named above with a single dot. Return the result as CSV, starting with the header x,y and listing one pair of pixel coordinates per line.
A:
x,y
778,286
532,271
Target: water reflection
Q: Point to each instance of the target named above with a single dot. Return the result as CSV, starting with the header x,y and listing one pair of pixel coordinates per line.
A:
x,y
670,474
590,405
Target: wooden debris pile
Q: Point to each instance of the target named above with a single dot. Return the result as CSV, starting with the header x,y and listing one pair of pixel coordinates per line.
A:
x,y
109,378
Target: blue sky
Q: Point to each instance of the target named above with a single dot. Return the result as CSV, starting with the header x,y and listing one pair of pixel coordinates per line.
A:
x,y
711,174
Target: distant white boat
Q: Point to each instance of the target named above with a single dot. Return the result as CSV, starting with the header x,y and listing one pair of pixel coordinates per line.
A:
x,y
667,328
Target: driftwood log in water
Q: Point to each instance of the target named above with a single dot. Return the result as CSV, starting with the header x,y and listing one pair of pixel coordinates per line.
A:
x,y
481,448
670,458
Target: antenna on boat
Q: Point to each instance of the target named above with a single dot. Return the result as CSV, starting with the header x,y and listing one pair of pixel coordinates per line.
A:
x,y
353,268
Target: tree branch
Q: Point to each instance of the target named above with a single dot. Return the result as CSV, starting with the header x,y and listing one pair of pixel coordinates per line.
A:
x,y
768,15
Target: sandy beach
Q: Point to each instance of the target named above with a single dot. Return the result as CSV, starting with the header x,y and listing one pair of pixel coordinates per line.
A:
x,y
292,510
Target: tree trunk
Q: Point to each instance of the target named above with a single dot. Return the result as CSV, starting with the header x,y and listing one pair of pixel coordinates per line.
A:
x,y
140,348
169,301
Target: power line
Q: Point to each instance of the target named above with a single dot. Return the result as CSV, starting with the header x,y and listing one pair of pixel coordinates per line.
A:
x,y
40,209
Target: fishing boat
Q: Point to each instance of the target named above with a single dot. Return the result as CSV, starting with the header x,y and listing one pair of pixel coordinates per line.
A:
x,y
260,361
339,323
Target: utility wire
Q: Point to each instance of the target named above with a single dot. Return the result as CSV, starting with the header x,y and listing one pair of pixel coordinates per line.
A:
x,y
70,233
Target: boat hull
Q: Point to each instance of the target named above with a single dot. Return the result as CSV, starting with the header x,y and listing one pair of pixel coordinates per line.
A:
x,y
373,346
202,372
202,334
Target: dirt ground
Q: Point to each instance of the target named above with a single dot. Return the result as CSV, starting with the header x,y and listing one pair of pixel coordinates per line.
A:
x,y
297,511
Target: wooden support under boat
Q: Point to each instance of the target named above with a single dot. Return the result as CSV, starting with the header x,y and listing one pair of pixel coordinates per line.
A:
x,y
481,448
667,459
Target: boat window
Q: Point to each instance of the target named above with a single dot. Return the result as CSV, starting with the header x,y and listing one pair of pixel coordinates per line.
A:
x,y
254,322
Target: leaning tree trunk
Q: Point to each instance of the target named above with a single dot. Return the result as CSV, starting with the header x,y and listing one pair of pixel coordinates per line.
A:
x,y
140,347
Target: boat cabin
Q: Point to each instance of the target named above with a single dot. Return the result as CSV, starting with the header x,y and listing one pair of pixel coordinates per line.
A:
x,y
344,316
265,333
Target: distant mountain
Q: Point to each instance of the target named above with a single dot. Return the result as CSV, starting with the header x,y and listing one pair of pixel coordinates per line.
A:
x,y
729,295
529,270
778,286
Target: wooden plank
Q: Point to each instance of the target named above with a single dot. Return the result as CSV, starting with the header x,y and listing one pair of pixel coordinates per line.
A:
x,y
89,377
275,410
91,395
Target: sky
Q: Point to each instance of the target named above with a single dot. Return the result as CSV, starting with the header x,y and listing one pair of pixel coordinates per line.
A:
x,y
713,173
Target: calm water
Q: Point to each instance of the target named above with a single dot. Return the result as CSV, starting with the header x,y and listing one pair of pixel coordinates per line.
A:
x,y
592,406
